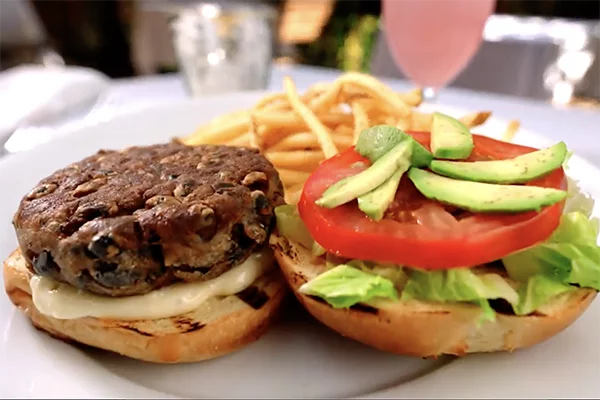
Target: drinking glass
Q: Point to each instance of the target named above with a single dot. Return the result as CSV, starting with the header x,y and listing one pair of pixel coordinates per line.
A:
x,y
431,41
224,47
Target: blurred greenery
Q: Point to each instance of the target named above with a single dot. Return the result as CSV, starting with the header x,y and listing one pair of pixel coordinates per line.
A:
x,y
348,38
355,53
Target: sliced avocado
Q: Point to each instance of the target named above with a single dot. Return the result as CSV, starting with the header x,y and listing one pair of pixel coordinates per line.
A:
x,y
517,170
483,197
377,201
355,186
450,138
377,140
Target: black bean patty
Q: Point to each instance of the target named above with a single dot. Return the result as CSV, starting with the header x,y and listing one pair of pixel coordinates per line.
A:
x,y
125,222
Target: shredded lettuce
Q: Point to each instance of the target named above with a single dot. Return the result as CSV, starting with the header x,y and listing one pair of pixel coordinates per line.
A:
x,y
291,226
566,160
392,272
317,250
488,313
345,286
576,227
538,290
570,256
459,285
577,200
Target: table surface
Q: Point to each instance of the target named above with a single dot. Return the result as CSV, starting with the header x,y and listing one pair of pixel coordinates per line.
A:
x,y
579,128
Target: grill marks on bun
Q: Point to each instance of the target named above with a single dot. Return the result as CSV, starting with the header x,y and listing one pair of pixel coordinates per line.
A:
x,y
254,296
423,329
219,326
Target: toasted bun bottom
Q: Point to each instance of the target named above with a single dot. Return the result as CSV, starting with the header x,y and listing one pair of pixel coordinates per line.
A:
x,y
427,329
219,326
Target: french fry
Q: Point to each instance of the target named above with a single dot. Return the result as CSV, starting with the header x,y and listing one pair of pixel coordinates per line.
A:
x,y
511,131
292,195
271,135
320,131
413,98
306,140
327,98
219,133
241,141
370,105
475,119
361,120
378,119
315,91
299,160
272,102
344,130
376,89
403,124
389,120
296,132
229,117
293,120
420,121
291,177
255,140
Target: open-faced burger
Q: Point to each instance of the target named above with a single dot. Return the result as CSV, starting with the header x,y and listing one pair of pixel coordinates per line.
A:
x,y
158,253
441,242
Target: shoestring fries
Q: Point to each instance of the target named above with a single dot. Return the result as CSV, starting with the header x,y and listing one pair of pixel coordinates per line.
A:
x,y
297,131
511,131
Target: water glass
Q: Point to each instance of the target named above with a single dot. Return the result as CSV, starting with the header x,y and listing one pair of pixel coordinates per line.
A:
x,y
224,47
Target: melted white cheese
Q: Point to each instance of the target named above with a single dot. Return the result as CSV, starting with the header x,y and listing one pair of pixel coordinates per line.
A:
x,y
63,301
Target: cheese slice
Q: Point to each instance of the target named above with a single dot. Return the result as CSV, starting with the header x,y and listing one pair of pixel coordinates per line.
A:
x,y
63,301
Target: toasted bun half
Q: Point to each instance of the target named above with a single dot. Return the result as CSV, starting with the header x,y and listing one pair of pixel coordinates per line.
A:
x,y
218,327
427,329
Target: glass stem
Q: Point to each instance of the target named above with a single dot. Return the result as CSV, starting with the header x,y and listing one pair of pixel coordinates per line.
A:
x,y
430,94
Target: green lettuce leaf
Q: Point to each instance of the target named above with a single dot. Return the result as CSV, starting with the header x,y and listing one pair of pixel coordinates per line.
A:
x,y
459,285
538,290
566,160
488,312
391,272
577,200
571,255
345,286
291,226
576,227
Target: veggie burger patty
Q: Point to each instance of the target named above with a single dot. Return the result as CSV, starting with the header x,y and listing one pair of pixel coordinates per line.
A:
x,y
126,222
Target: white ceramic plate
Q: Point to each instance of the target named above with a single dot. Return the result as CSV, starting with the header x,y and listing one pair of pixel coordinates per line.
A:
x,y
298,357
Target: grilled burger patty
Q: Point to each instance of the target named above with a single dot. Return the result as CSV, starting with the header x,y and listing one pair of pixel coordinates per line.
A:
x,y
126,222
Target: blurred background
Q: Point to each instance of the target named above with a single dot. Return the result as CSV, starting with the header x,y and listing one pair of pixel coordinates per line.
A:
x,y
545,49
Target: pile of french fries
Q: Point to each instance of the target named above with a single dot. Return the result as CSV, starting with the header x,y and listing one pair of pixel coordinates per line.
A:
x,y
297,131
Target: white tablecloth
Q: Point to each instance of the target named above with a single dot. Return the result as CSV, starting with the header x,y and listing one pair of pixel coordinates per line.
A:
x,y
579,128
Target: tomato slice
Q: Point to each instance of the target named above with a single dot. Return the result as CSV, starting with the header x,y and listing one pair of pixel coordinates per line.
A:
x,y
419,232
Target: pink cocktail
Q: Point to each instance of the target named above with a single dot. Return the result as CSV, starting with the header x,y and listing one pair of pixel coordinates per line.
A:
x,y
433,40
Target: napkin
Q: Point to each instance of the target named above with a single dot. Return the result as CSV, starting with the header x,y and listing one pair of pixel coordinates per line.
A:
x,y
34,94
